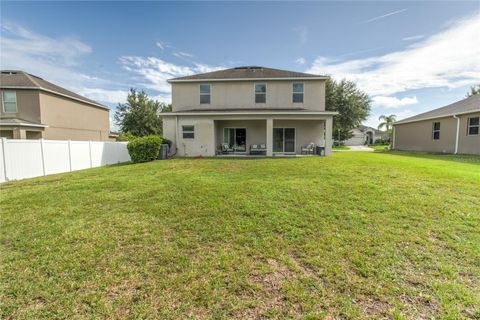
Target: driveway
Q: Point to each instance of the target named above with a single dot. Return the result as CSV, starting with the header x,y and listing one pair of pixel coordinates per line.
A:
x,y
357,148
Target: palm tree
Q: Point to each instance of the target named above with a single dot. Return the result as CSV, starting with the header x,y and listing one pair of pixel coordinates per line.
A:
x,y
387,121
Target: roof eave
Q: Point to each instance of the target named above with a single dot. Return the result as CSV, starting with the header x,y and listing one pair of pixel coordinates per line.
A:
x,y
216,113
248,79
57,93
436,117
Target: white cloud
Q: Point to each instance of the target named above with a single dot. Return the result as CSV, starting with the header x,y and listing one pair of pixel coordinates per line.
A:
x,y
53,59
300,61
155,72
181,54
104,95
413,38
384,15
450,59
393,102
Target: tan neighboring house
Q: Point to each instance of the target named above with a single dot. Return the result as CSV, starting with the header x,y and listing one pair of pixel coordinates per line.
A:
x,y
248,110
450,129
363,135
33,108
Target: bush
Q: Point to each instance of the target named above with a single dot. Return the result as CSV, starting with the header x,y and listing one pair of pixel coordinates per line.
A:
x,y
126,136
144,148
381,141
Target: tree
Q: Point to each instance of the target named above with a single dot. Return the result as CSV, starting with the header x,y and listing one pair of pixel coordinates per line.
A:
x,y
473,90
352,104
387,121
140,116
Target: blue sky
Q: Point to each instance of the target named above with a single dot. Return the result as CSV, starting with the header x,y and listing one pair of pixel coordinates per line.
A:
x,y
408,56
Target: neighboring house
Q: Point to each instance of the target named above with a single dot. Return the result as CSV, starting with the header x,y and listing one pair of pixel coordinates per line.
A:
x,y
451,129
365,135
33,108
242,108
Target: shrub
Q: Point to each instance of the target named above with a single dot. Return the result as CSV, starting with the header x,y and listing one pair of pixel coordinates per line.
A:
x,y
144,148
126,136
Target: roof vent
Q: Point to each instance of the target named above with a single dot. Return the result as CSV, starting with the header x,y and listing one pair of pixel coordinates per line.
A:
x,y
9,72
249,68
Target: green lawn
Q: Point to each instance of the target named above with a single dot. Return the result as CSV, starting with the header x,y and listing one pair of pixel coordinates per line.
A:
x,y
354,235
379,147
340,148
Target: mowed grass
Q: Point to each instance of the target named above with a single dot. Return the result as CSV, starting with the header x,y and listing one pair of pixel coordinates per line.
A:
x,y
354,235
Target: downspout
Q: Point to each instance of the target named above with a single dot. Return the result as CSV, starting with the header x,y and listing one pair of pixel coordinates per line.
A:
x,y
393,137
456,135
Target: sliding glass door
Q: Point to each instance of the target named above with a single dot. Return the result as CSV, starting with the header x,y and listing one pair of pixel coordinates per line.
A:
x,y
236,138
284,140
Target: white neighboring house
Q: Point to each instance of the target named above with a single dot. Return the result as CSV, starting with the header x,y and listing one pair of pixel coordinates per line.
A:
x,y
248,110
363,135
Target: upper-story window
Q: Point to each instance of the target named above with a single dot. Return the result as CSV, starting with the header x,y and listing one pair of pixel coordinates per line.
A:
x,y
473,126
260,93
9,101
298,92
205,93
436,131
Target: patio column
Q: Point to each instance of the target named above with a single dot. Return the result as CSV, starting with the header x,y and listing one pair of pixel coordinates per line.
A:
x,y
328,136
269,137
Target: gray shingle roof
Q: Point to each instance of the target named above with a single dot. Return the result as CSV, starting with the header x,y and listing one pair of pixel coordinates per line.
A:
x,y
248,72
21,79
468,105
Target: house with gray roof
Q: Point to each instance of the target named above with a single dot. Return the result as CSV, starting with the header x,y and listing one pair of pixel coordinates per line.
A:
x,y
450,129
33,108
248,110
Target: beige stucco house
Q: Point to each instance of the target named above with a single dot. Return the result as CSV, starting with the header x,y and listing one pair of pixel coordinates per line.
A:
x,y
450,129
363,135
33,108
248,110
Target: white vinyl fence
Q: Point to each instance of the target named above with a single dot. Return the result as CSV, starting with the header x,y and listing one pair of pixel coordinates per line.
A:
x,y
33,158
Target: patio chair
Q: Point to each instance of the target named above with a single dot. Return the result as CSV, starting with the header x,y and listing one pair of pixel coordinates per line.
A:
x,y
258,148
308,149
225,148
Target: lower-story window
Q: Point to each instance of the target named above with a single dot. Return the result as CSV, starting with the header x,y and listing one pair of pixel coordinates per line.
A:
x,y
473,126
188,132
436,131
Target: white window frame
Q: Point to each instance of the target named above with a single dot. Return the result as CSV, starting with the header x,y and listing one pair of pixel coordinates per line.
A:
x,y
205,94
473,126
436,130
255,92
188,131
296,92
3,101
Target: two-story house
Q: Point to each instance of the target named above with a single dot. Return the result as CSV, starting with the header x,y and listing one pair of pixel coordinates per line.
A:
x,y
248,108
33,108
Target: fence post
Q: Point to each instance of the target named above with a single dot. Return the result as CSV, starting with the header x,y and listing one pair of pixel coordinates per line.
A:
x,y
90,152
70,155
4,143
43,156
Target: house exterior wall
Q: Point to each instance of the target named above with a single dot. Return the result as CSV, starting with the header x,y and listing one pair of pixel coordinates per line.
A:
x,y
28,105
468,144
358,138
306,131
203,143
418,136
209,133
256,130
68,119
241,95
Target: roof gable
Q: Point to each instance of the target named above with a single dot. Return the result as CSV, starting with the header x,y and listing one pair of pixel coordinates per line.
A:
x,y
21,80
468,105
